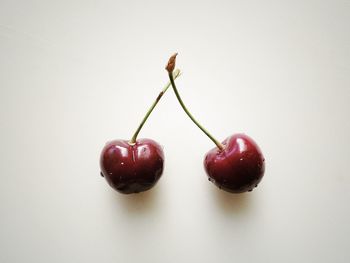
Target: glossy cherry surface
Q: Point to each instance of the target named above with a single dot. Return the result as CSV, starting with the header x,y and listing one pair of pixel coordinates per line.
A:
x,y
132,168
239,167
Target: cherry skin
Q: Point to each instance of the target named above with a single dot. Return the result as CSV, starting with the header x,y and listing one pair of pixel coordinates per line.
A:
x,y
132,168
239,167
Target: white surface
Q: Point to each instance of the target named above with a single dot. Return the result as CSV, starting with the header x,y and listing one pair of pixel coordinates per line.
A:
x,y
77,74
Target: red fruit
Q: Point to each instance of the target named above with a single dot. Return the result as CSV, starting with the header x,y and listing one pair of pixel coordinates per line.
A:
x,y
132,168
239,167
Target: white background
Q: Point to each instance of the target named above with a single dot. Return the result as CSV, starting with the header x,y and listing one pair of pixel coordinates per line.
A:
x,y
75,74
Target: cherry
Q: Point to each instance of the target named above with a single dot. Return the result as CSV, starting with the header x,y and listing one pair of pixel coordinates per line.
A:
x,y
239,167
236,165
134,166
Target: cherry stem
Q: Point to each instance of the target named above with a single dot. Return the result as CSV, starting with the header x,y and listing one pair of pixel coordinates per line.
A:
x,y
174,75
218,144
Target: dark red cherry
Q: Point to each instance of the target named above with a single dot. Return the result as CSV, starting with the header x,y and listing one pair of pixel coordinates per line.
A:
x,y
132,168
239,167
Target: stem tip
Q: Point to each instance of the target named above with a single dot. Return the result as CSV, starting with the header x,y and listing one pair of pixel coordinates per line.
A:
x,y
171,63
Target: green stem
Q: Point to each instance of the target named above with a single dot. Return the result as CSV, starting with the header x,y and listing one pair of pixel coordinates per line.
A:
x,y
218,144
134,137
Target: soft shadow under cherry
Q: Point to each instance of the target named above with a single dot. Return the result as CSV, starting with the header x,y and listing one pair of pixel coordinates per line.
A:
x,y
141,203
229,203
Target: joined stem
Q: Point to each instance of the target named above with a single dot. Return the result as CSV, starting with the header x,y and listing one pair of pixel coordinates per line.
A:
x,y
170,68
174,75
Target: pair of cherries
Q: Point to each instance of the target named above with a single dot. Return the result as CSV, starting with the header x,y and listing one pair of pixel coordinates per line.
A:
x,y
236,165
